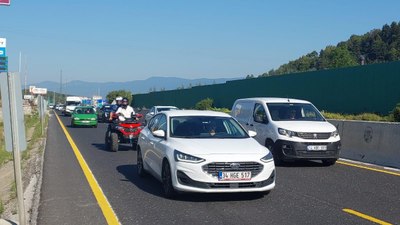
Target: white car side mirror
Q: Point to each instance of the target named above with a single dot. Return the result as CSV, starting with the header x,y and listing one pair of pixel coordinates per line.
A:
x,y
252,133
159,133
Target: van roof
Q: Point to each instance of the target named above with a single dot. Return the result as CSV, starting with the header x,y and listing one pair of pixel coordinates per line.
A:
x,y
274,100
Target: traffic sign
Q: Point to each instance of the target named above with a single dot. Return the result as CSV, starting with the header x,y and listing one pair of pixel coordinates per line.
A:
x,y
3,64
2,51
5,2
3,42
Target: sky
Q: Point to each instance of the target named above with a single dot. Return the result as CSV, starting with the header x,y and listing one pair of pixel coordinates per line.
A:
x,y
127,40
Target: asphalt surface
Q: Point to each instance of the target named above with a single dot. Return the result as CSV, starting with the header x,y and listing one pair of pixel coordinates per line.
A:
x,y
305,192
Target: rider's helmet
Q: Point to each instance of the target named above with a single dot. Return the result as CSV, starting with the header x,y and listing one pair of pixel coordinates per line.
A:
x,y
118,100
124,103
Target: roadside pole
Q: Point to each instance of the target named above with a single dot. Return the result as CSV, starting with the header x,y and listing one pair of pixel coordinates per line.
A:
x,y
16,147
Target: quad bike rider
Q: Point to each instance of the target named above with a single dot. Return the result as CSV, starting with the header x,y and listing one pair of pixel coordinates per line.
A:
x,y
123,128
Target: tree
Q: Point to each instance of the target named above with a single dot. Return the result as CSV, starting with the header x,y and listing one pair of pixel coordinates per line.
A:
x,y
205,104
123,93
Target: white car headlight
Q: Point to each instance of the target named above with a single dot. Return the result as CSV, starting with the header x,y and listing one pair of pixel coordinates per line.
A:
x,y
76,118
93,118
267,158
287,132
183,157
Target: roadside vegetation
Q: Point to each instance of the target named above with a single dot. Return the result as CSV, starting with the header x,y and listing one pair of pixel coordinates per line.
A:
x,y
394,115
376,46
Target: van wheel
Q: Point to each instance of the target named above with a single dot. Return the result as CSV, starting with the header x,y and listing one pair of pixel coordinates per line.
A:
x,y
329,162
277,155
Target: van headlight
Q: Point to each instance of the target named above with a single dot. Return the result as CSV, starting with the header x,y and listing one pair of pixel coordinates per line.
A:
x,y
286,132
335,133
76,118
183,157
268,157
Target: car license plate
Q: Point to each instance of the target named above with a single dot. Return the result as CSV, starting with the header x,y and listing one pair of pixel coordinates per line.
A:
x,y
317,148
130,136
234,176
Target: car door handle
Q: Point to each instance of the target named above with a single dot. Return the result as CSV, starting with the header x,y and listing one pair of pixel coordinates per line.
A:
x,y
151,143
250,124
142,138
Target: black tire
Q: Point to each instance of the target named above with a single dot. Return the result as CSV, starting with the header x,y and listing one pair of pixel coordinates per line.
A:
x,y
134,145
140,169
277,155
114,142
168,188
72,124
329,162
95,126
107,140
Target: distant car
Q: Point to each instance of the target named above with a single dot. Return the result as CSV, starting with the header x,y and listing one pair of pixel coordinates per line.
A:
x,y
156,109
60,107
51,106
84,116
104,113
203,151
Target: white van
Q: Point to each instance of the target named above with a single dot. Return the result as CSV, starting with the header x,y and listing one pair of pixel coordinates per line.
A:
x,y
291,128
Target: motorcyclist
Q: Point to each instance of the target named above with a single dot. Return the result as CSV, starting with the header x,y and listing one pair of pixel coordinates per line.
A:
x,y
126,111
118,102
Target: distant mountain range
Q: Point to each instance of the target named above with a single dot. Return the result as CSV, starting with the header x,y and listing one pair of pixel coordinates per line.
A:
x,y
84,88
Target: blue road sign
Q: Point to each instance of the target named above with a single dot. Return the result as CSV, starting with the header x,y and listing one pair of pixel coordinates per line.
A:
x,y
2,51
3,64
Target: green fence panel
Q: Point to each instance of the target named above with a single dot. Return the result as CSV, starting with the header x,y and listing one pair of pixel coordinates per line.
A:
x,y
370,88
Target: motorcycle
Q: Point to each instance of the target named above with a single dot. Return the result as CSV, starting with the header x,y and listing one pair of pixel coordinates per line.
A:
x,y
123,130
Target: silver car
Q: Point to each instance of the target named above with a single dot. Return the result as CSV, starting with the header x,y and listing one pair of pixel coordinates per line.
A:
x,y
156,109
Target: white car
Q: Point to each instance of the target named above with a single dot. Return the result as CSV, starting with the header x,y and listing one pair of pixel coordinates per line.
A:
x,y
156,109
203,151
292,129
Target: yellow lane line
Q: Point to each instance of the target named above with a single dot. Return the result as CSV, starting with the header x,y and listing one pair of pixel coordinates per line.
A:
x,y
105,206
364,216
368,168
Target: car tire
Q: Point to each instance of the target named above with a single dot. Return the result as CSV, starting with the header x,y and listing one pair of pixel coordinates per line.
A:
x,y
140,169
168,188
277,155
95,126
72,124
114,142
134,145
329,162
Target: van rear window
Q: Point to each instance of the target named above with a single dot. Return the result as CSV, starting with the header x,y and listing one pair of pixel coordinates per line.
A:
x,y
294,112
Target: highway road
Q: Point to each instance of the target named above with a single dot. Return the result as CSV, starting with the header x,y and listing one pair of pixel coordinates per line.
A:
x,y
305,192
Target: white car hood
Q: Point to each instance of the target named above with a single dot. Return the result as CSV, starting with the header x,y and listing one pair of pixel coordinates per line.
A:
x,y
306,126
204,146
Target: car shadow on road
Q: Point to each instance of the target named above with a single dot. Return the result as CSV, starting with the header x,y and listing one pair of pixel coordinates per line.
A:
x,y
152,186
122,147
302,163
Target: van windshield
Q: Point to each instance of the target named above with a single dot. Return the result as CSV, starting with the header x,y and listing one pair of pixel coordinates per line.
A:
x,y
294,112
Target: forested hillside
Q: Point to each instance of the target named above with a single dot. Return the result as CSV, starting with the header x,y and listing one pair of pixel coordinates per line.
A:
x,y
376,46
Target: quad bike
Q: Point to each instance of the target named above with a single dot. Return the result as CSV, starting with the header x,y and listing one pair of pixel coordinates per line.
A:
x,y
123,131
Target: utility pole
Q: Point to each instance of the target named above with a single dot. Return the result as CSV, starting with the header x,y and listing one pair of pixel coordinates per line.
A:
x,y
61,83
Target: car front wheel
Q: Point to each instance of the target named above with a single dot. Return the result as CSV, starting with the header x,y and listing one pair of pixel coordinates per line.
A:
x,y
169,191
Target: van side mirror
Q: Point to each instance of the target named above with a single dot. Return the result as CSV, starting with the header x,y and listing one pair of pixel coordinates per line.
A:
x,y
261,119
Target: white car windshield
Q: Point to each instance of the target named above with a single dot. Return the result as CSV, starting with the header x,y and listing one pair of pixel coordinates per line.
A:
x,y
294,112
205,127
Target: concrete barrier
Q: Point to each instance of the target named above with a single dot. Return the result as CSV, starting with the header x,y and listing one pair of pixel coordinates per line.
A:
x,y
372,142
